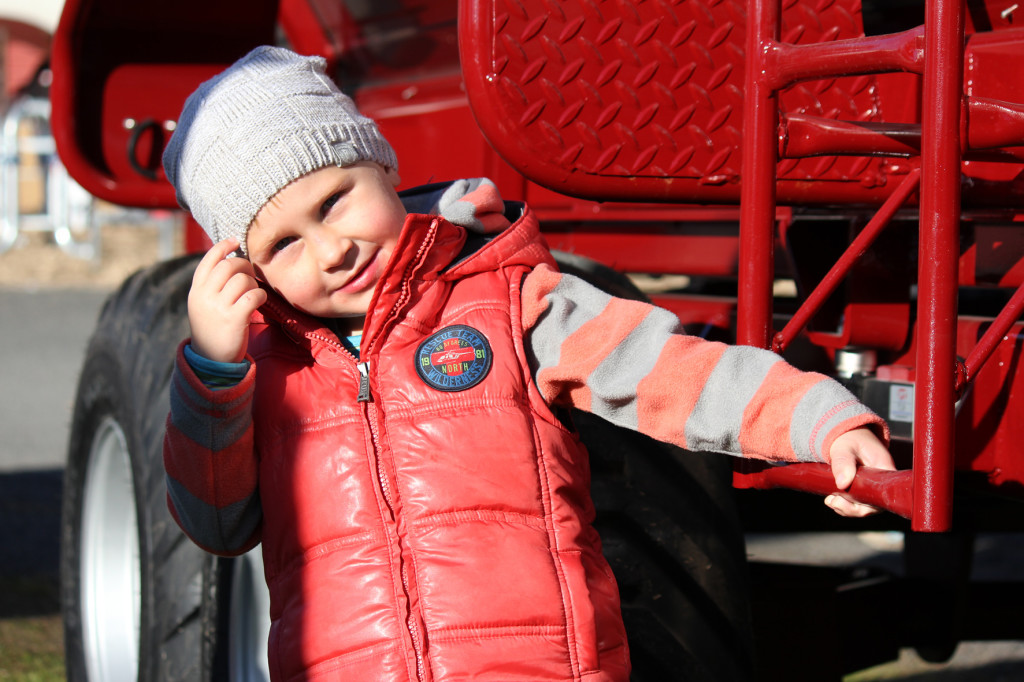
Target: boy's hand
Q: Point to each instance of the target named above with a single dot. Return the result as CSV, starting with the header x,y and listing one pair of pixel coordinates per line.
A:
x,y
224,295
860,447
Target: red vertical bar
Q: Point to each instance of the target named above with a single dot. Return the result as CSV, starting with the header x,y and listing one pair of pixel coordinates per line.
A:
x,y
757,189
937,277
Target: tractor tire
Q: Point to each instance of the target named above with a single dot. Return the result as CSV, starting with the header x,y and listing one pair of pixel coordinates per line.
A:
x,y
140,601
671,532
131,583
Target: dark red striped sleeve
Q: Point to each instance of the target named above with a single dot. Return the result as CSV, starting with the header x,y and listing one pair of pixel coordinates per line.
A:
x,y
211,465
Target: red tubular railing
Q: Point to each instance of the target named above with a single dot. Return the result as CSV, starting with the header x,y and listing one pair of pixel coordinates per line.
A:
x,y
935,394
995,333
925,495
757,190
842,266
802,136
787,64
883,489
993,126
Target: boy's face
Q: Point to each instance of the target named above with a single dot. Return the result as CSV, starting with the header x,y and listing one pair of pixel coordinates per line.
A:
x,y
322,242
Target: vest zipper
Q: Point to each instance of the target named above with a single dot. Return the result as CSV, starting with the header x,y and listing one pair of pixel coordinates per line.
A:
x,y
364,396
364,382
406,292
372,413
412,623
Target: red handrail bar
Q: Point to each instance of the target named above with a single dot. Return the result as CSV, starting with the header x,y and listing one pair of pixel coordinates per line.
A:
x,y
757,189
890,490
772,66
802,136
997,330
988,126
787,64
938,253
850,256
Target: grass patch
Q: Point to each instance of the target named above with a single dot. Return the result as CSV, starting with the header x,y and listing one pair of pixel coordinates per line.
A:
x,y
31,632
32,649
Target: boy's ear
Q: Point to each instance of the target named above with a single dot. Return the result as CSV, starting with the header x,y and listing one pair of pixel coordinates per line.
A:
x,y
393,177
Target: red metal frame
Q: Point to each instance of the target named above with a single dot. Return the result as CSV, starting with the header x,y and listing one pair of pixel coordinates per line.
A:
x,y
773,66
941,137
798,323
935,396
672,102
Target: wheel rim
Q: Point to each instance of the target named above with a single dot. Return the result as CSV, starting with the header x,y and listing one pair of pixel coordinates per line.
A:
x,y
250,620
110,565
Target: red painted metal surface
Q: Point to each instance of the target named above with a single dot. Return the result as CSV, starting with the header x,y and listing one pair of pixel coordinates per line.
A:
x,y
937,274
987,344
772,67
709,249
842,267
608,104
883,489
758,196
986,443
988,428
402,68
786,64
644,101
118,64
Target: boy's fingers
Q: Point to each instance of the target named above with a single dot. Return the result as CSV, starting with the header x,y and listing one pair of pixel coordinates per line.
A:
x,y
221,250
243,289
238,284
216,254
255,298
854,449
877,456
849,451
223,273
845,507
844,469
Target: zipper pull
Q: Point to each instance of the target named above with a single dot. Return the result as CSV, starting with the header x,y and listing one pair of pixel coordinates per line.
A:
x,y
364,382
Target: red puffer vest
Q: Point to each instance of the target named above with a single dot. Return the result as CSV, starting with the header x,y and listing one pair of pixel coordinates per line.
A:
x,y
436,527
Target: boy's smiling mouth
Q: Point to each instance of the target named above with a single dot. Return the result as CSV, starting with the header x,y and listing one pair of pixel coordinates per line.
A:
x,y
364,275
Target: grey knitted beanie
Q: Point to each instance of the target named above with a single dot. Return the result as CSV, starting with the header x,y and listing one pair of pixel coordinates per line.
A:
x,y
267,120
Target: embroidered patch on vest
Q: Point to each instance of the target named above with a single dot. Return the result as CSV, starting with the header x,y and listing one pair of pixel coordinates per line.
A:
x,y
454,359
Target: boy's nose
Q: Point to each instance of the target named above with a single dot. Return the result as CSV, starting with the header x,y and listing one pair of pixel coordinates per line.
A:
x,y
332,251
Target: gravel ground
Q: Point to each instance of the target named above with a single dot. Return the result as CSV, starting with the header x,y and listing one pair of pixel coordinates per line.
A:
x,y
127,242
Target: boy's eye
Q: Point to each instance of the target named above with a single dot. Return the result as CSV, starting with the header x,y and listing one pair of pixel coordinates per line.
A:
x,y
326,207
282,243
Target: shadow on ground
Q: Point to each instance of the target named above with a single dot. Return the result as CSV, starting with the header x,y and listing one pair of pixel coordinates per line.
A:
x,y
1009,671
29,543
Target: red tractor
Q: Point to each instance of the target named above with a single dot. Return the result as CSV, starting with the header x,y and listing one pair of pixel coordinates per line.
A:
x,y
836,180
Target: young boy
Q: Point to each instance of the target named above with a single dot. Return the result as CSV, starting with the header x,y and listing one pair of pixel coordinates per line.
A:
x,y
369,391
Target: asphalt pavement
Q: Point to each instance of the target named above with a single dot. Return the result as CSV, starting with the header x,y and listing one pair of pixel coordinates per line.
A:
x,y
42,343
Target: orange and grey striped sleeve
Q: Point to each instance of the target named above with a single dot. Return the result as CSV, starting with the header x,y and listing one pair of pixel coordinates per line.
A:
x,y
632,364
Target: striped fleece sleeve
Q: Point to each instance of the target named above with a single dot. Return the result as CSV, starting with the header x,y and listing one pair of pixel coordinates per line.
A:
x,y
211,466
632,364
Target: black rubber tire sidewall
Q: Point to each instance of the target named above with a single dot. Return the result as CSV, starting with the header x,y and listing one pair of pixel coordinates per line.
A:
x,y
670,530
126,377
